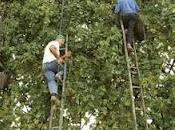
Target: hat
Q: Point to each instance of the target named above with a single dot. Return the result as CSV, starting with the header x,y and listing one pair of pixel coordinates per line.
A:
x,y
60,37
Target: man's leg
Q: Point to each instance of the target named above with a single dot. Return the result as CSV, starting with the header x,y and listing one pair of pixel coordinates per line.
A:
x,y
59,75
130,32
139,30
50,69
131,25
125,24
126,20
52,85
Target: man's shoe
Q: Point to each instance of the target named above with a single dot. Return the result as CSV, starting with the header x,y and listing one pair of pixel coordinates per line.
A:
x,y
58,78
55,101
129,47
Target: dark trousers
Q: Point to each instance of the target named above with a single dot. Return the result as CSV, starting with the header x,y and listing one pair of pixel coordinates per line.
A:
x,y
129,22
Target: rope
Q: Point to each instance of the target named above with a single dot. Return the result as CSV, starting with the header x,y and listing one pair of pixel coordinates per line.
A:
x,y
129,76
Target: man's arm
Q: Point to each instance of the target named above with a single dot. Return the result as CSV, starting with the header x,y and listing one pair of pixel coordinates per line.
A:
x,y
137,7
59,58
117,7
53,50
67,55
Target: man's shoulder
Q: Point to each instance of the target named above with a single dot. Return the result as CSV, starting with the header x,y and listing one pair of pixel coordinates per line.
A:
x,y
55,43
52,42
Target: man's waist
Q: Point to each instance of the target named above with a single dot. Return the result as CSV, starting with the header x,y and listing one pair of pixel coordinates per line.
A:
x,y
49,61
125,13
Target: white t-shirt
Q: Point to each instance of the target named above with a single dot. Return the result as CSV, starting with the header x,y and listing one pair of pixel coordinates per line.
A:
x,y
48,56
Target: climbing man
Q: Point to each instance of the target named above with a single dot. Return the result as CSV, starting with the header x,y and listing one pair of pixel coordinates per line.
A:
x,y
53,66
128,9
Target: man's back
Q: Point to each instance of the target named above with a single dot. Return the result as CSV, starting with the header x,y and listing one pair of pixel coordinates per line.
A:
x,y
125,7
48,56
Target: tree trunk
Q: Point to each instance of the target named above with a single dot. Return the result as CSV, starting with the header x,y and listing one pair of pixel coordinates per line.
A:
x,y
3,80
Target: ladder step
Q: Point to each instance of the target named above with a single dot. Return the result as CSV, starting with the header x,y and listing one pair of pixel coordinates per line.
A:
x,y
138,109
62,49
134,72
133,67
55,128
137,87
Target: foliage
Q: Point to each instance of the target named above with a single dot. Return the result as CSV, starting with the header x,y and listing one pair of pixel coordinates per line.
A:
x,y
97,72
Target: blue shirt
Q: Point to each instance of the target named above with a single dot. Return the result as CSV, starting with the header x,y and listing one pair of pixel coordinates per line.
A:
x,y
125,7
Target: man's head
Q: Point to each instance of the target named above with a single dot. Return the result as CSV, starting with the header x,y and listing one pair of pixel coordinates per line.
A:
x,y
61,39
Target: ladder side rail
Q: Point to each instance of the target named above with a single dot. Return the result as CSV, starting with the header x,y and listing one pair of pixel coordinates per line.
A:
x,y
129,76
63,89
141,87
62,17
51,117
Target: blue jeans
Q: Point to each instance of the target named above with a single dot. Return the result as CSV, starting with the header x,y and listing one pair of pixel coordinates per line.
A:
x,y
50,70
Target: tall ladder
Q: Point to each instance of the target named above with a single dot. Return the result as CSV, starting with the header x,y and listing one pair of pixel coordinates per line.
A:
x,y
133,71
54,109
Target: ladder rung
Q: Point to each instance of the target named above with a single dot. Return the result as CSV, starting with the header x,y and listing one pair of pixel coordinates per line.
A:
x,y
55,128
136,87
133,67
133,72
138,109
61,49
60,84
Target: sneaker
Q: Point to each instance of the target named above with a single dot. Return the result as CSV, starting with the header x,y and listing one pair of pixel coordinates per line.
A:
x,y
58,78
55,101
126,31
129,47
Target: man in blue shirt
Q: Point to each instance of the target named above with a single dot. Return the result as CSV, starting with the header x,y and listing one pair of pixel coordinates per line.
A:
x,y
128,9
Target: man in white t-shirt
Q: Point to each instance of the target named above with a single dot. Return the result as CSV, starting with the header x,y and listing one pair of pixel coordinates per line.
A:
x,y
52,63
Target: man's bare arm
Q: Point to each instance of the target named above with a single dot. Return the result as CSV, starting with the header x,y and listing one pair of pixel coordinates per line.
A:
x,y
57,56
54,51
67,55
